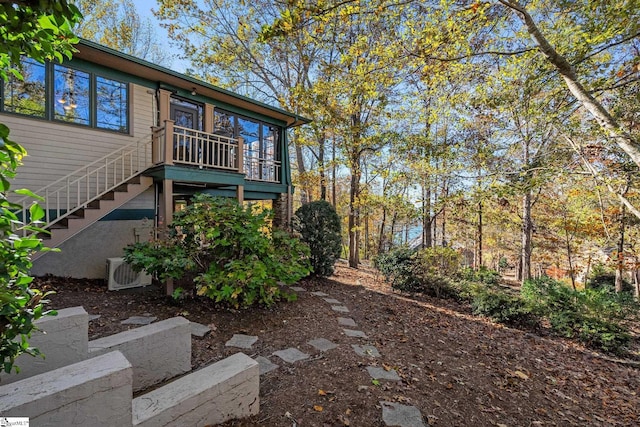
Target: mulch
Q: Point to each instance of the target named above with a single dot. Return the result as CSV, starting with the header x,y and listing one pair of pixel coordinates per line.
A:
x,y
458,369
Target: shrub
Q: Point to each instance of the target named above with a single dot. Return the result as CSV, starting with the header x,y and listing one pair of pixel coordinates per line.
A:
x,y
593,316
20,304
502,307
230,250
603,277
482,275
395,265
319,227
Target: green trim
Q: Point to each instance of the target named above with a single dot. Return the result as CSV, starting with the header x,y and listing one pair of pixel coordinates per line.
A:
x,y
129,215
111,73
265,187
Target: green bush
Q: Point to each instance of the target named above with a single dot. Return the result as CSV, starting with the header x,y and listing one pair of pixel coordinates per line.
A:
x,y
604,277
396,267
593,316
20,304
319,227
431,271
230,250
482,275
502,307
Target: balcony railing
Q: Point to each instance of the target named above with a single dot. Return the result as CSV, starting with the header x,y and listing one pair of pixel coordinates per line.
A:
x,y
257,169
183,146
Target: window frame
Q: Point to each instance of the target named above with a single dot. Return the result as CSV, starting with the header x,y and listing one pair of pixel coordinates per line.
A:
x,y
50,110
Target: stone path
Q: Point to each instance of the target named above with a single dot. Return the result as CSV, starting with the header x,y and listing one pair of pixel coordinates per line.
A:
x,y
393,413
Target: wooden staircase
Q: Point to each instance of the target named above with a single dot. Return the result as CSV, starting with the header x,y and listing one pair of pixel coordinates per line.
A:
x,y
82,218
79,199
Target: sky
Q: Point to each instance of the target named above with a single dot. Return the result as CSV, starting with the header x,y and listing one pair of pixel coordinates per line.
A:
x,y
144,10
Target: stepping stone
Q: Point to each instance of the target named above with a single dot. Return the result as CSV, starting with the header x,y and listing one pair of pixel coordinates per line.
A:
x,y
319,294
94,317
346,321
395,414
366,350
291,355
139,320
241,341
265,365
355,334
340,308
323,344
298,289
378,373
332,301
198,329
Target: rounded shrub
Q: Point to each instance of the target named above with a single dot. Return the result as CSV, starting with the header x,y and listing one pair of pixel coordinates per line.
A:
x,y
319,227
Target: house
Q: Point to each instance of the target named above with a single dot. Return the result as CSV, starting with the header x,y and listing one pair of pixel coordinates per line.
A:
x,y
116,145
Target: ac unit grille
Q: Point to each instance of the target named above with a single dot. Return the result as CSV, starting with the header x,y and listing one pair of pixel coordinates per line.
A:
x,y
122,276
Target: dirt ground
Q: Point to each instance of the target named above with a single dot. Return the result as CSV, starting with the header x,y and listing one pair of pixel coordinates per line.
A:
x,y
458,369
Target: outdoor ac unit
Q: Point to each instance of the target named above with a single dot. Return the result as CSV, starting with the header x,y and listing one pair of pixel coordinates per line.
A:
x,y
122,276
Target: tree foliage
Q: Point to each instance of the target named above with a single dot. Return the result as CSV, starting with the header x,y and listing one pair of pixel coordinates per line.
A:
x,y
40,30
319,227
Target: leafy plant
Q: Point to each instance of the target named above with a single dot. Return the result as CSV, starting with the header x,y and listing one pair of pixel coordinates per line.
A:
x,y
319,227
502,307
20,305
594,316
230,250
482,275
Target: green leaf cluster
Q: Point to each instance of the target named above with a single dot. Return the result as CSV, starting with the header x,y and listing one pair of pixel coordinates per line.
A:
x,y
20,305
319,227
40,29
230,251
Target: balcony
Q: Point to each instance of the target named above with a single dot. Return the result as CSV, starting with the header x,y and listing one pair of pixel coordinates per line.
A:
x,y
176,145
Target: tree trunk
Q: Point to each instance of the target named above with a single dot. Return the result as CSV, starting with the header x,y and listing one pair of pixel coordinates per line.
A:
x,y
527,232
622,137
354,212
302,170
427,221
620,256
321,169
333,172
479,249
567,241
381,237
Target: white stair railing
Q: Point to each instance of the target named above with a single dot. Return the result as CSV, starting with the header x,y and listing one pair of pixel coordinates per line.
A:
x,y
75,191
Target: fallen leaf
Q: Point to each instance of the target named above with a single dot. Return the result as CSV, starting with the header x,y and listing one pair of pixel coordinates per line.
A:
x,y
348,411
322,392
521,374
317,408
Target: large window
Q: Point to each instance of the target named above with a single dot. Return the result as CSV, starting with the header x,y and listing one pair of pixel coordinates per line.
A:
x,y
71,95
61,93
261,155
27,96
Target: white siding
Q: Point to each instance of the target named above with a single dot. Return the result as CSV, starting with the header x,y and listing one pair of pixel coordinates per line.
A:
x,y
56,149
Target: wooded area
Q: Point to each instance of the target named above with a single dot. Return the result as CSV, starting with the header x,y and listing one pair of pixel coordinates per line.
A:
x,y
507,130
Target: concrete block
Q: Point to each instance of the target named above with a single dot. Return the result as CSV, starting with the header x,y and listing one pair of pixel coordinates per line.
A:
x,y
157,352
225,390
62,339
95,392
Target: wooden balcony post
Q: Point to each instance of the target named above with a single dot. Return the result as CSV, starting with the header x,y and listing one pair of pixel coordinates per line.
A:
x,y
208,118
164,105
168,142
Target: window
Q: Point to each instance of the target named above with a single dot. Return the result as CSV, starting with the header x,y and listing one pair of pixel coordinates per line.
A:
x,y
111,104
60,93
29,95
71,95
261,155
